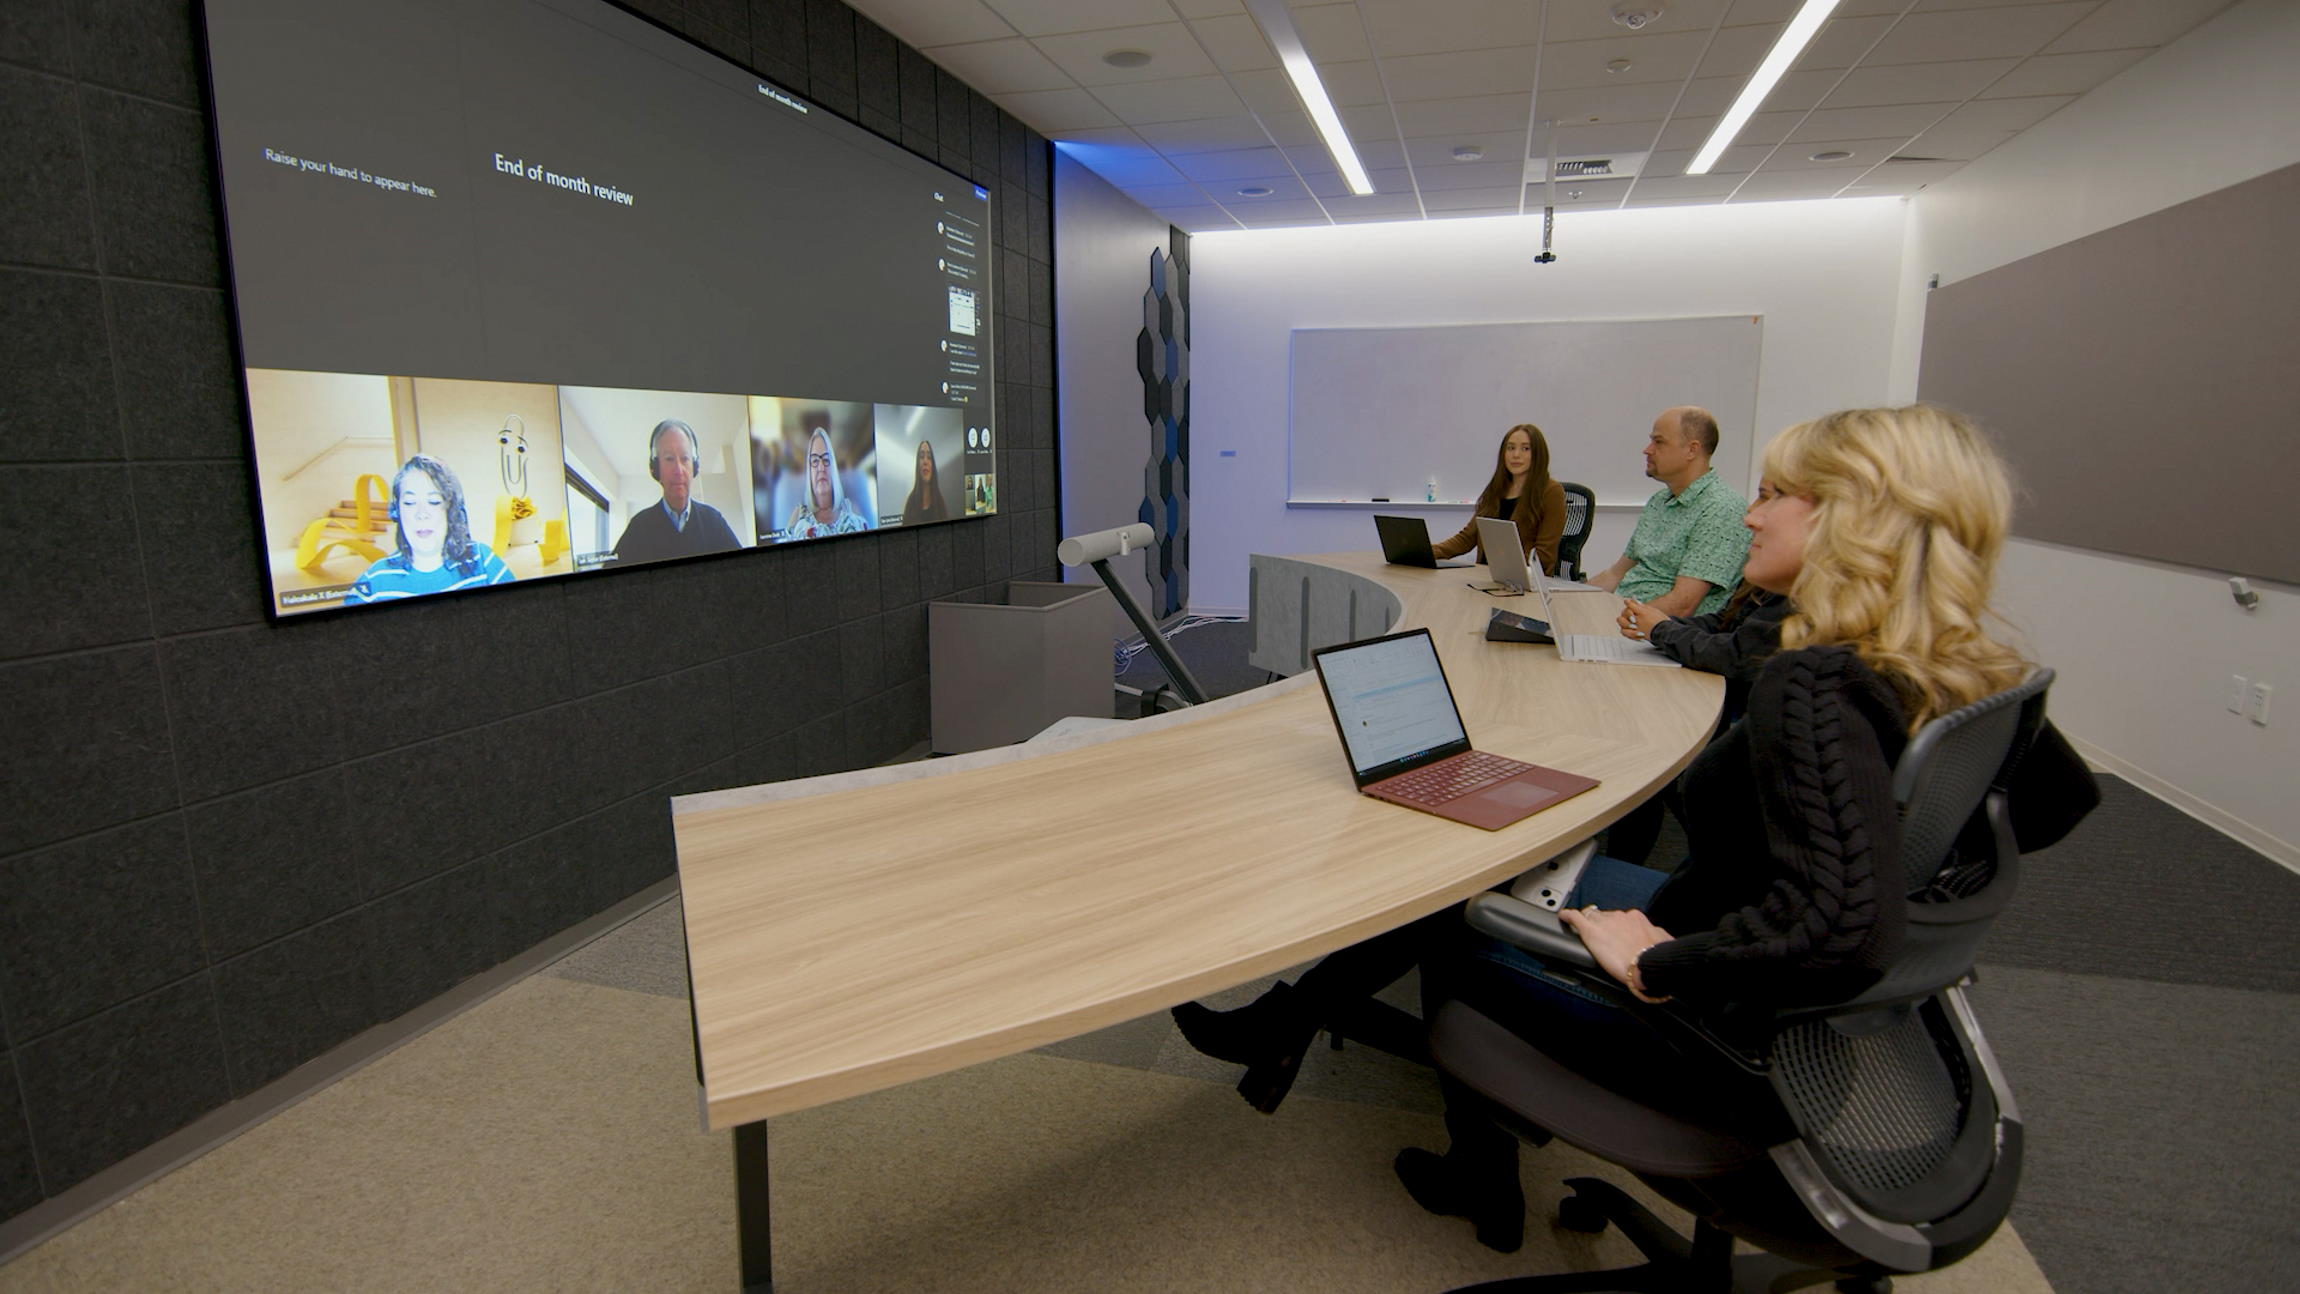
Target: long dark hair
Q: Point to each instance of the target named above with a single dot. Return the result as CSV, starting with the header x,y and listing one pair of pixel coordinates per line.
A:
x,y
456,551
1536,479
925,501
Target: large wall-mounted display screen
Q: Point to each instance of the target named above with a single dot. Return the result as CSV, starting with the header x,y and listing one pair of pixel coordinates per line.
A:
x,y
531,288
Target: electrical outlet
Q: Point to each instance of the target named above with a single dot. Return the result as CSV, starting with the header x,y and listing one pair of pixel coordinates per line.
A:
x,y
2239,690
2256,703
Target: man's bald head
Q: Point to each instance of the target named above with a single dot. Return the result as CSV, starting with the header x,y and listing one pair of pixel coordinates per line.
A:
x,y
1696,425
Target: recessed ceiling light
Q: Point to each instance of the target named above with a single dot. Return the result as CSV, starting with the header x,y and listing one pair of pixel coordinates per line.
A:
x,y
1128,58
1619,66
1829,155
1573,193
1468,153
1256,191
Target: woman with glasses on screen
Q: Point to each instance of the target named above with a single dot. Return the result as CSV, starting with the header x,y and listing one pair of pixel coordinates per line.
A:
x,y
826,511
436,552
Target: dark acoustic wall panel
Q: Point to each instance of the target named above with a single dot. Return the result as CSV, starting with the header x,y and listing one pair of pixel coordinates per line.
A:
x,y
2141,380
228,844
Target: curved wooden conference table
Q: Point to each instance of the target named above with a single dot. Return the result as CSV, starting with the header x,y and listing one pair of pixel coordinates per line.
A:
x,y
852,932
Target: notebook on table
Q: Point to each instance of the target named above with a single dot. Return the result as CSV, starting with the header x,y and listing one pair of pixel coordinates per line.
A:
x,y
1406,542
1403,737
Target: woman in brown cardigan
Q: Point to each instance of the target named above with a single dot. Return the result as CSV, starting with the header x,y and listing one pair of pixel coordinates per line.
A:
x,y
1520,491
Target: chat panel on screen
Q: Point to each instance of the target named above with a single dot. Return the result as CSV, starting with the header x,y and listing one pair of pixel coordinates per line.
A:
x,y
813,468
477,463
656,475
921,462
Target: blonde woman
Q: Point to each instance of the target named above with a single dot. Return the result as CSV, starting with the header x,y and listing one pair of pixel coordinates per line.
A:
x,y
1882,527
827,510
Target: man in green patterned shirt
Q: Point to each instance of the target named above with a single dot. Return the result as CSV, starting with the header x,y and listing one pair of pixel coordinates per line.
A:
x,y
1685,557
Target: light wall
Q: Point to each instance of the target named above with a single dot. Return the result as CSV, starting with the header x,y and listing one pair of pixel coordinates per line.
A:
x,y
2146,651
1823,275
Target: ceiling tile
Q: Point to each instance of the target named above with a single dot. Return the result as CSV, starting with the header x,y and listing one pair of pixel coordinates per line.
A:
x,y
2064,73
1499,146
1789,186
1910,174
1282,188
924,23
1172,49
1978,33
1009,66
1128,169
1578,64
1470,175
1448,116
1684,186
1051,111
1584,141
1210,135
1904,120
1267,214
1461,74
1387,201
1865,152
1053,17
1242,163
2008,114
2129,24
1332,34
1593,193
1607,103
1191,98
1590,21
1866,87
1843,41
1109,137
1496,200
1208,8
1404,27
1740,159
1958,143
1234,43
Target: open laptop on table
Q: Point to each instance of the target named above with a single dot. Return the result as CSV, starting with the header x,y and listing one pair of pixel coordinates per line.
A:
x,y
1404,739
1503,554
1613,649
1406,542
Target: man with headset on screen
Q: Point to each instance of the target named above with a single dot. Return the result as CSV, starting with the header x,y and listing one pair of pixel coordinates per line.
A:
x,y
681,525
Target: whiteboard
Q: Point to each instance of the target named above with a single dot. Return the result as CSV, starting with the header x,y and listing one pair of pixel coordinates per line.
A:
x,y
1376,412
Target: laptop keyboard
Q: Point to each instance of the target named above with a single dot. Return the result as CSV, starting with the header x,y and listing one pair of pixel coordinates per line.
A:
x,y
1451,779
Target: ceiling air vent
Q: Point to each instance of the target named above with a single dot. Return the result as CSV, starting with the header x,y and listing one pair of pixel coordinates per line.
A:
x,y
1609,166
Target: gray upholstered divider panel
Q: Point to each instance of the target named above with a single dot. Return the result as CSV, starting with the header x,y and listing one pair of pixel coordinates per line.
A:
x,y
2142,381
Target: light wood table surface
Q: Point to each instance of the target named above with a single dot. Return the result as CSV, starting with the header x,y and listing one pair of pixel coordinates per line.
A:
x,y
849,933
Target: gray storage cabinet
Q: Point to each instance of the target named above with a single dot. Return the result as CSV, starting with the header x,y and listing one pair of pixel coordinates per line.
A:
x,y
1002,671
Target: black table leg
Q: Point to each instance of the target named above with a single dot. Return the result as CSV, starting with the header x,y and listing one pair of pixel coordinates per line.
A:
x,y
751,1227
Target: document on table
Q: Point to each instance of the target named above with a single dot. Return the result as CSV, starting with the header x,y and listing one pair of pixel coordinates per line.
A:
x,y
1611,649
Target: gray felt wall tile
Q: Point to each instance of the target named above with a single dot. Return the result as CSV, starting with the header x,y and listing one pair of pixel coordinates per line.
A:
x,y
289,1001
154,189
113,1084
250,706
179,393
69,560
95,921
275,860
201,570
19,1174
56,400
89,747
45,214
146,47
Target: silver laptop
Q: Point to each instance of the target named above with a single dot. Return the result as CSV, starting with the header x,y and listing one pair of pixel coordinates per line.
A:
x,y
1611,648
1503,556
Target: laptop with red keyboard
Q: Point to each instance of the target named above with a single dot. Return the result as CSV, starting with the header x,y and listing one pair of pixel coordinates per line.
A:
x,y
1404,739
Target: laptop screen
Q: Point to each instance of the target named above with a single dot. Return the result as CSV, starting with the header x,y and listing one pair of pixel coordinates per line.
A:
x,y
1390,700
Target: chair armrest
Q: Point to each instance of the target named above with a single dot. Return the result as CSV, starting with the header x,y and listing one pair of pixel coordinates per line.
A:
x,y
1521,924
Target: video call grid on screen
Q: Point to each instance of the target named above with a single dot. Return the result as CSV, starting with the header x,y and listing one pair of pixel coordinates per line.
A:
x,y
571,293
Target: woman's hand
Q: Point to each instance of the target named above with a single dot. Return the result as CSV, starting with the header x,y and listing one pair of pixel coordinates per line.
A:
x,y
1638,618
1615,939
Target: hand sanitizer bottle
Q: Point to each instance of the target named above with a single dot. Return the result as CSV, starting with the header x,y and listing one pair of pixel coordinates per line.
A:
x,y
1429,495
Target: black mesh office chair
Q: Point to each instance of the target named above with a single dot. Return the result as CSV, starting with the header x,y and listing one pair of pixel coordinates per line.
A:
x,y
1580,515
1899,1145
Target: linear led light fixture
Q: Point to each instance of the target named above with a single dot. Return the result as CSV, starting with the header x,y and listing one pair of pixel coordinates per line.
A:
x,y
1799,34
1278,24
